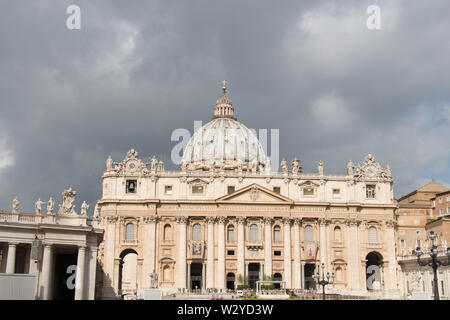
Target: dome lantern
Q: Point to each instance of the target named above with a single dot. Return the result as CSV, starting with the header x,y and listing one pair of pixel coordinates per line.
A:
x,y
224,106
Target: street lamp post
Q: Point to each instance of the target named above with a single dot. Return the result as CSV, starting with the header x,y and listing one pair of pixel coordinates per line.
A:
x,y
323,282
434,262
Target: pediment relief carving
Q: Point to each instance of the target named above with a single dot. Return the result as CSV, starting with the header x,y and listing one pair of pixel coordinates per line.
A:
x,y
308,184
197,182
255,194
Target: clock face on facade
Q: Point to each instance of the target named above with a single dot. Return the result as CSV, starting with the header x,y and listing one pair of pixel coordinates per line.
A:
x,y
132,166
370,171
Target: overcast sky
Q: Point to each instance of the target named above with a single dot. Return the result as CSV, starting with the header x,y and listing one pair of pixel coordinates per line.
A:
x,y
137,70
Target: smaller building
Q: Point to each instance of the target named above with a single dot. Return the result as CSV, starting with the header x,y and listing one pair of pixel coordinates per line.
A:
x,y
413,212
417,281
59,248
441,204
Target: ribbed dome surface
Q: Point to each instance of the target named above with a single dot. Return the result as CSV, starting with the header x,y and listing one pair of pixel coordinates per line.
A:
x,y
222,142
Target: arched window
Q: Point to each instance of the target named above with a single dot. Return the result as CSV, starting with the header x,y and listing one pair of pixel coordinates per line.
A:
x,y
230,233
197,232
277,234
167,232
373,235
129,231
337,234
309,233
254,232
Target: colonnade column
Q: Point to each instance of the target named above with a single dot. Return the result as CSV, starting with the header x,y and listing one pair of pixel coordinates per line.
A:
x,y
297,258
221,254
323,242
268,246
11,259
181,279
287,252
79,278
46,272
93,253
150,250
241,249
210,254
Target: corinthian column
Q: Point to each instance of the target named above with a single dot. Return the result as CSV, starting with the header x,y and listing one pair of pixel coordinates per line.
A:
x,y
240,246
150,250
181,279
353,255
287,252
210,256
390,239
323,241
221,254
297,258
109,285
268,246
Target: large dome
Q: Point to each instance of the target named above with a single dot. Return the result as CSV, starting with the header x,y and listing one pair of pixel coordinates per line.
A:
x,y
224,143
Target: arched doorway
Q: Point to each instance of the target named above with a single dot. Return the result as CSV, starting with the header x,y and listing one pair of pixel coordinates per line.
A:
x,y
277,277
230,281
128,272
374,261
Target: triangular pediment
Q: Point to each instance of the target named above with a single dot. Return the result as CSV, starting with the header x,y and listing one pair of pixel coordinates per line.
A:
x,y
254,193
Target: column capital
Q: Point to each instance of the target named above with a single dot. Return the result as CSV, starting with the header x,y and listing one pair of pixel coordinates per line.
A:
x,y
82,247
150,219
48,245
13,244
287,220
111,219
352,222
221,220
181,220
210,219
324,221
297,221
241,220
268,220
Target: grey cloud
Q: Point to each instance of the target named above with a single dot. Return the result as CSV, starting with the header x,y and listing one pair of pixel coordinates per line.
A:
x,y
138,70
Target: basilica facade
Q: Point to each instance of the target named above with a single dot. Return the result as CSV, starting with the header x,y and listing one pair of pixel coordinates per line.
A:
x,y
225,218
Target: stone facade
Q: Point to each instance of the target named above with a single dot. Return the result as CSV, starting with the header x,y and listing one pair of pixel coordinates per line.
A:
x,y
68,243
225,218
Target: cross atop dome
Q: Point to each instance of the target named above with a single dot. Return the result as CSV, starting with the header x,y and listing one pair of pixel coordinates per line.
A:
x,y
224,106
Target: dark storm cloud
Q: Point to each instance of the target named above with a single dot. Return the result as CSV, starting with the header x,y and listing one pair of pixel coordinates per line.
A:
x,y
138,70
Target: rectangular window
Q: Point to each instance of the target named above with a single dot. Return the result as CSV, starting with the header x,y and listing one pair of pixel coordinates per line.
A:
x,y
440,200
277,190
277,253
230,235
402,243
336,193
448,210
370,191
231,189
230,252
442,288
168,190
448,199
308,191
131,186
197,189
441,211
